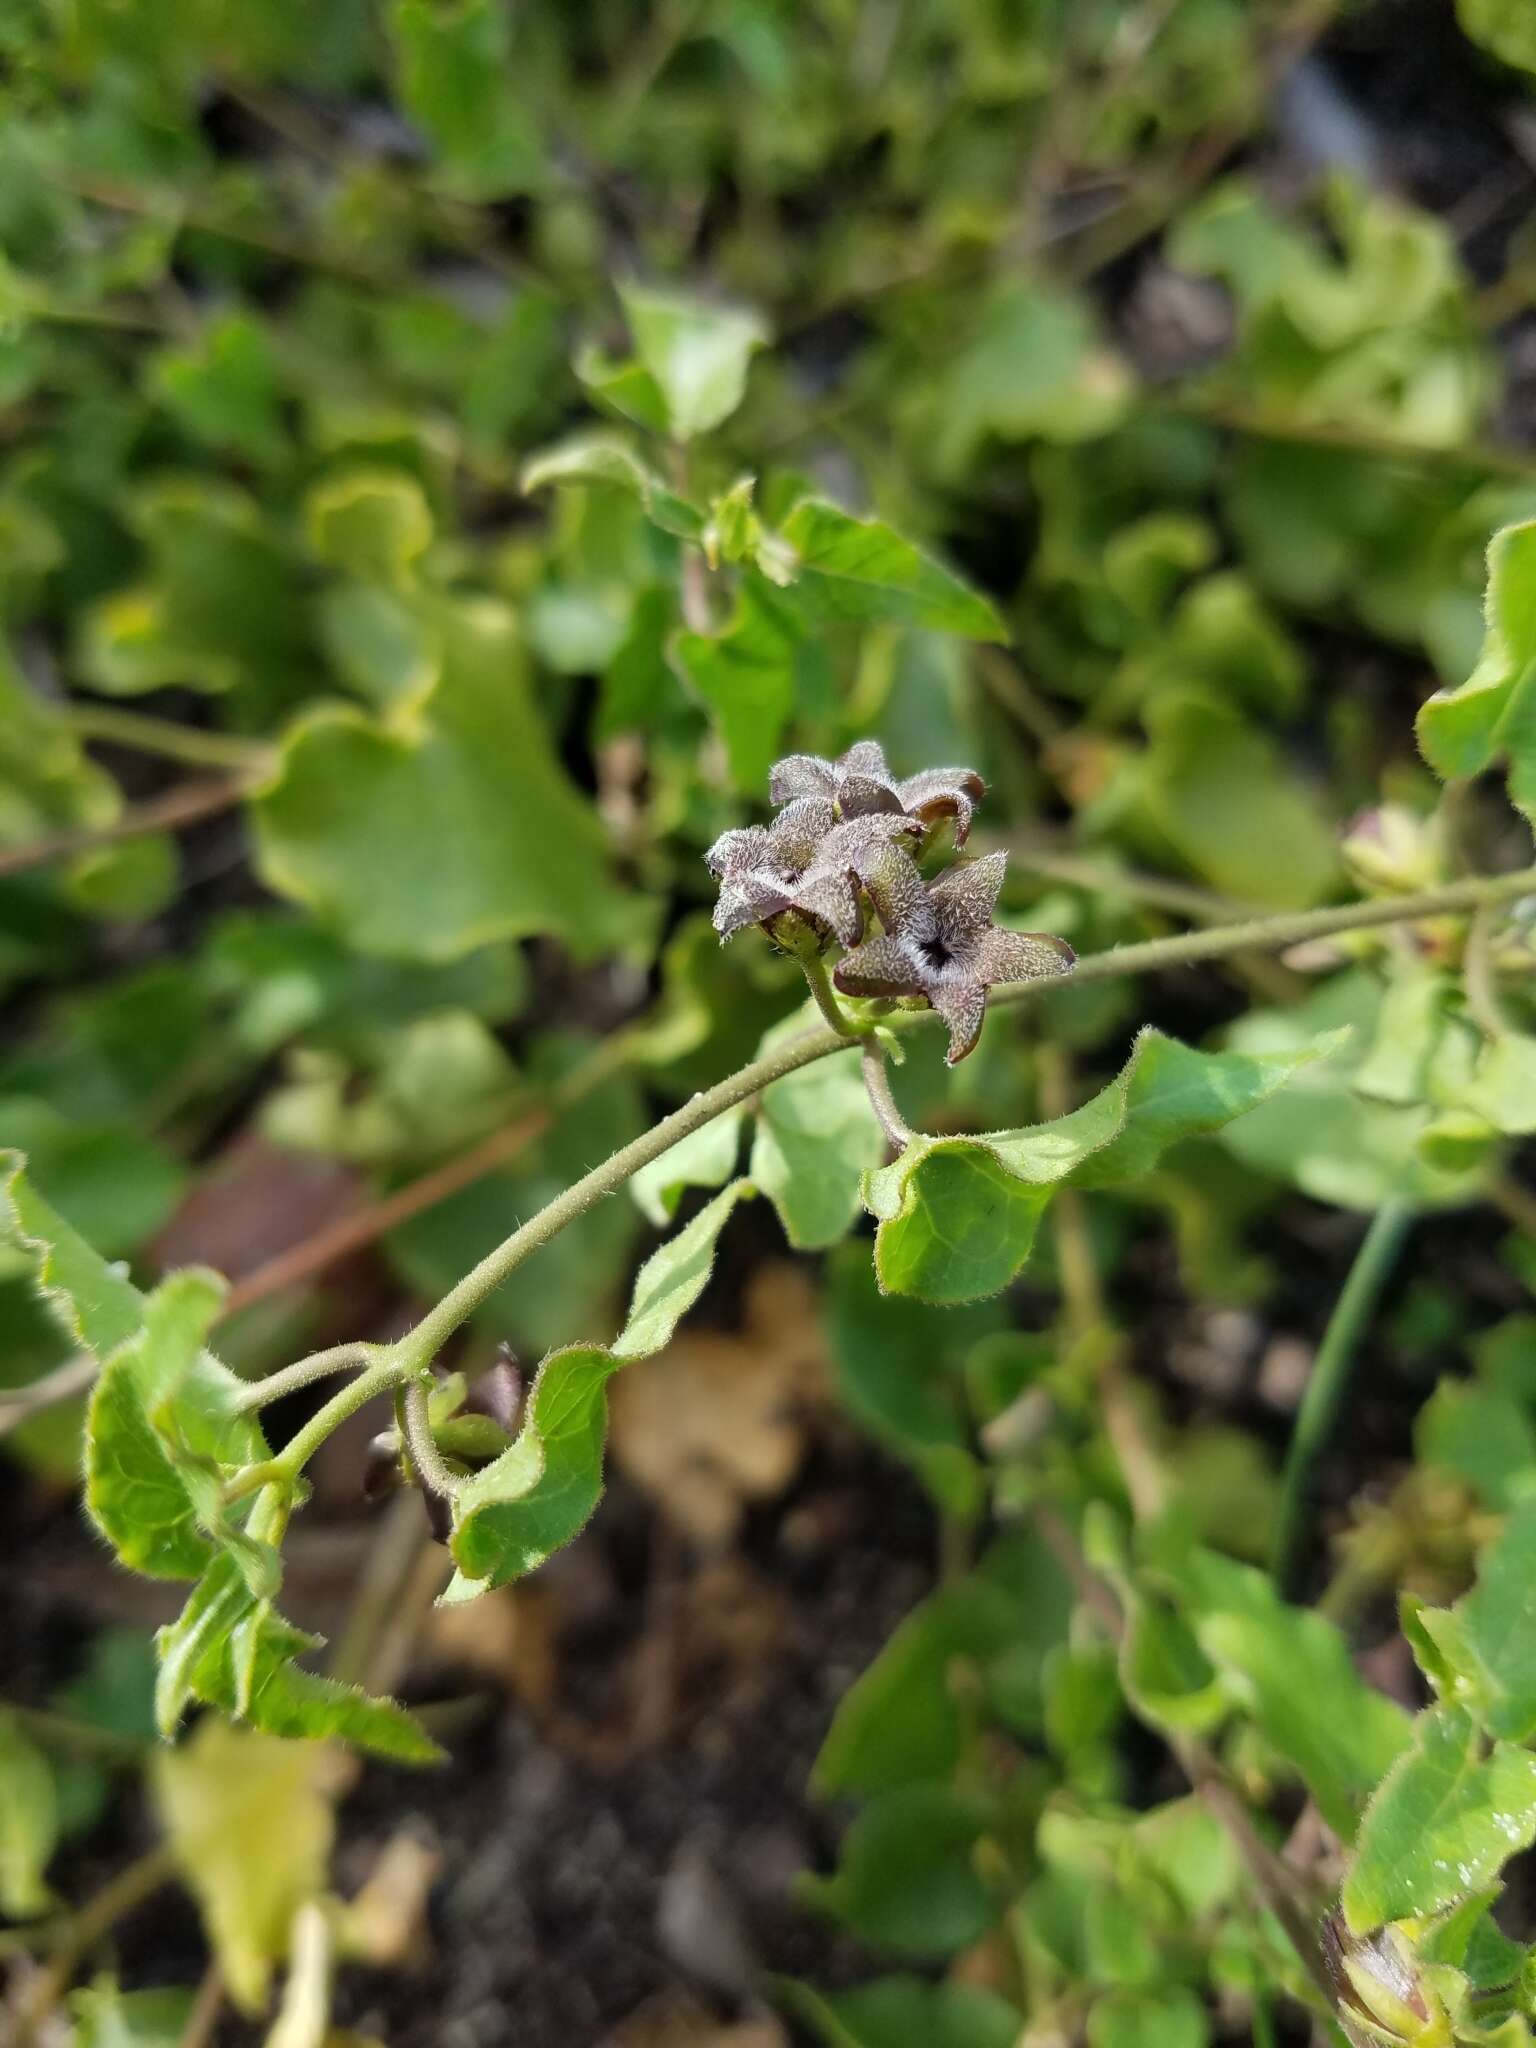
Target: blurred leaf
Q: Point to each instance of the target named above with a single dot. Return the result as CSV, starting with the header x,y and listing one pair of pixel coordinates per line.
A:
x,y
513,1513
251,1822
29,1822
705,1160
696,353
898,2012
372,523
906,1881
958,1215
457,84
1447,1818
1463,731
816,1135
425,836
1291,1671
1219,793
106,2017
850,568
1481,1435
897,1367
116,1187
605,460
752,676
1504,27
1148,2019
1487,1641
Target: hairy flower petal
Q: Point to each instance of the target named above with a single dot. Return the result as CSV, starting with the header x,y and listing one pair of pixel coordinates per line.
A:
x,y
1022,956
962,1002
880,967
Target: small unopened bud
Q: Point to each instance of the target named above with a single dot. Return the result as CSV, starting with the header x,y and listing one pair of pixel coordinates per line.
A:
x,y
1384,1998
1394,848
381,1472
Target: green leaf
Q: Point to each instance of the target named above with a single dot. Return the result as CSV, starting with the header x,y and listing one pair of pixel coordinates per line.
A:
x,y
1173,2018
1448,1816
696,353
958,1216
1493,713
849,568
539,1494
1324,1137
604,459
116,1187
1483,1436
897,1367
232,1651
1033,369
97,1305
106,2017
1291,1672
1502,1090
374,524
223,387
705,1160
903,2012
1220,793
1487,1641
901,1722
251,1821
752,676
446,826
163,1423
907,1881
1504,27
459,84
816,1137
29,1822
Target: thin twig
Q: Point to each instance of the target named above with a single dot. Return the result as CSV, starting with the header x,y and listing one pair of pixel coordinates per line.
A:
x,y
1477,974
431,1468
124,1894
206,2007
177,807
165,736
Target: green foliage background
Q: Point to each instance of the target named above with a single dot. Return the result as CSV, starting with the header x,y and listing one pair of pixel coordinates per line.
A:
x,y
448,451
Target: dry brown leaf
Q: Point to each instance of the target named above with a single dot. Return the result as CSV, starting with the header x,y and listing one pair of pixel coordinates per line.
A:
x,y
507,1635
675,2020
719,1420
385,1923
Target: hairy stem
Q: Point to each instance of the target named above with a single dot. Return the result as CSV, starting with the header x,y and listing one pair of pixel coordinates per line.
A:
x,y
319,1364
421,1345
431,1468
877,1085
1329,1381
826,998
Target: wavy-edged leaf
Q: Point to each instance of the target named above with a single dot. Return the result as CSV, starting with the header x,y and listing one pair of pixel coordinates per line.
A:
x,y
906,1880
697,353
605,459
1447,1818
538,1495
29,1822
851,568
705,1160
958,1216
233,1651
163,1421
1493,713
97,1304
1486,1643
447,825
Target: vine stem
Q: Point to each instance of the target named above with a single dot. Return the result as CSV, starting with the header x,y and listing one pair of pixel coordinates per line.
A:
x,y
178,807
419,1346
877,1085
1329,1381
164,736
825,996
291,1378
431,1468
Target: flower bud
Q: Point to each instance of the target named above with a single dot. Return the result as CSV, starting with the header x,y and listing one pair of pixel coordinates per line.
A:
x,y
1393,848
1384,1998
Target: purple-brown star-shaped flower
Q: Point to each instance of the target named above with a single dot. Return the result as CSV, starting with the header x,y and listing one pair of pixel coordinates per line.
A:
x,y
942,944
808,861
862,785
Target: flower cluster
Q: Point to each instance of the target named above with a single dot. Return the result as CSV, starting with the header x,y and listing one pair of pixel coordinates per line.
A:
x,y
843,846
